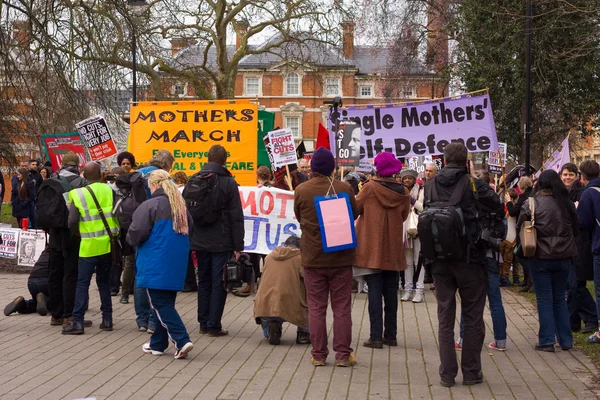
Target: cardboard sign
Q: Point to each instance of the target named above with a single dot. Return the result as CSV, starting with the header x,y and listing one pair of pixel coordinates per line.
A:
x,y
348,144
10,240
278,172
336,222
269,218
97,138
423,129
188,129
31,246
58,145
282,148
497,159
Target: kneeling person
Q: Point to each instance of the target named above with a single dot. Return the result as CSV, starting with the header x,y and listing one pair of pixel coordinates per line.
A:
x,y
37,283
282,295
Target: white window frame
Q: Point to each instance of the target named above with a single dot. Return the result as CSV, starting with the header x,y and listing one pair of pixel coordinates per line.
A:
x,y
370,87
258,89
409,92
339,86
286,83
183,87
286,119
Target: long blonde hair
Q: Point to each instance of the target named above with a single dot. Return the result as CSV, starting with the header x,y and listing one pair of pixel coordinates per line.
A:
x,y
178,208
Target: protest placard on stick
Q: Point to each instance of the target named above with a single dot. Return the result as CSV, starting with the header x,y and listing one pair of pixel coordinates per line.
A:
x,y
97,138
57,145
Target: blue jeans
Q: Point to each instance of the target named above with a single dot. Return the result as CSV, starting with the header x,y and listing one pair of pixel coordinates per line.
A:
x,y
264,323
145,316
495,302
170,325
597,283
383,289
87,265
211,289
550,282
580,302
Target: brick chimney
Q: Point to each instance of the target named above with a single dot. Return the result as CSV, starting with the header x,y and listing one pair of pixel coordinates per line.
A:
x,y
22,34
437,35
348,39
241,28
178,44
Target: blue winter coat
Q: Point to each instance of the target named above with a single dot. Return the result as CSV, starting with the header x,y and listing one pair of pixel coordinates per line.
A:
x,y
588,212
162,254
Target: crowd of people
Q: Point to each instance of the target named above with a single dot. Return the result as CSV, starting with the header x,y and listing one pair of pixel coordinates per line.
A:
x,y
452,227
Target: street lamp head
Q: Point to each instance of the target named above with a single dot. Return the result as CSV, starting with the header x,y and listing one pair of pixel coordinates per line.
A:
x,y
136,3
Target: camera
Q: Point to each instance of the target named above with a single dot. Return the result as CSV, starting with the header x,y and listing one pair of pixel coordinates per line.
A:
x,y
489,240
238,272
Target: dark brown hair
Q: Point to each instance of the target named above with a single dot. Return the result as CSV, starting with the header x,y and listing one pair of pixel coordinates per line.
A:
x,y
217,154
180,178
589,169
23,185
456,154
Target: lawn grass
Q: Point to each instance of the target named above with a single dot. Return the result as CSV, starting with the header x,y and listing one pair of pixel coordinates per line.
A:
x,y
591,350
6,217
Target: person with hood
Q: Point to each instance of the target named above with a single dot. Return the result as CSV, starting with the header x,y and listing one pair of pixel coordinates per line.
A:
x,y
588,212
64,254
281,296
382,205
214,244
413,290
328,273
579,300
160,225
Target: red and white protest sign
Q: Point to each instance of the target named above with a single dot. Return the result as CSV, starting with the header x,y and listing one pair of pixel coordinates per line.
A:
x,y
58,145
268,217
282,148
96,136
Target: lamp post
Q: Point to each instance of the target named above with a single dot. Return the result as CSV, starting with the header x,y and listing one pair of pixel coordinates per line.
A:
x,y
528,89
132,4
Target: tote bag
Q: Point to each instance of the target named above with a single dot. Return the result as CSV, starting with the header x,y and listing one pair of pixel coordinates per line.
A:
x,y
528,233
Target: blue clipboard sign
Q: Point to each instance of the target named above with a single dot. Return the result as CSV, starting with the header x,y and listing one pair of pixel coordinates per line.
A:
x,y
336,222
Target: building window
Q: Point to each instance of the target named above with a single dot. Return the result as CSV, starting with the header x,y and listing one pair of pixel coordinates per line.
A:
x,y
294,124
332,87
252,86
409,92
292,84
365,91
179,89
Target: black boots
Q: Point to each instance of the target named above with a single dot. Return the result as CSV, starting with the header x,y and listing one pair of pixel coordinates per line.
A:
x,y
76,328
106,325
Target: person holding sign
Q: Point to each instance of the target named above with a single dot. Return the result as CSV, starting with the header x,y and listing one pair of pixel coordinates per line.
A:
x,y
327,271
383,204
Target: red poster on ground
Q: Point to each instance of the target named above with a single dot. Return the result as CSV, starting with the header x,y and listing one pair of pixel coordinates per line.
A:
x,y
57,145
96,136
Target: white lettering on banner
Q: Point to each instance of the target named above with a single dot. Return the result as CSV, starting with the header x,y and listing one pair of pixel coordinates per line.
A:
x,y
268,218
423,129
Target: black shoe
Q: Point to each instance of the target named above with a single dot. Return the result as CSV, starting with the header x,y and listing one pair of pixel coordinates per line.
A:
x,y
17,305
274,333
114,292
303,338
41,307
219,333
576,329
76,328
390,342
373,344
106,325
189,289
478,379
589,328
124,300
447,383
547,347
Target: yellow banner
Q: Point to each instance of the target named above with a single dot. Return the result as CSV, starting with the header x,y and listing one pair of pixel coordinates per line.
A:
x,y
188,129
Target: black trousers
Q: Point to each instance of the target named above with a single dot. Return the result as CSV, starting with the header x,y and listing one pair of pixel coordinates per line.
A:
x,y
35,286
62,279
190,276
471,282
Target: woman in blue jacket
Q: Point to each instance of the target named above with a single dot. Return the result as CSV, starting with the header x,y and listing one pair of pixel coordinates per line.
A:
x,y
160,225
23,197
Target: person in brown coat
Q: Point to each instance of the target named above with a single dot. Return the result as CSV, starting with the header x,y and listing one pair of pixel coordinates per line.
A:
x,y
383,206
325,273
281,296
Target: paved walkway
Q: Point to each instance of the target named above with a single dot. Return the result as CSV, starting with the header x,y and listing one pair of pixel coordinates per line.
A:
x,y
37,362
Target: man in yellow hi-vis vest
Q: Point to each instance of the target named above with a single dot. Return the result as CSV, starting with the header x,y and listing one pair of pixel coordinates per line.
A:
x,y
90,214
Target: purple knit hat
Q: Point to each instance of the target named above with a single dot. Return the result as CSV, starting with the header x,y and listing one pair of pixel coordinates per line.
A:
x,y
322,162
387,164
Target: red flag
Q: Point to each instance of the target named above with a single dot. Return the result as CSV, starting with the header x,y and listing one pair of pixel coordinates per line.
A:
x,y
323,138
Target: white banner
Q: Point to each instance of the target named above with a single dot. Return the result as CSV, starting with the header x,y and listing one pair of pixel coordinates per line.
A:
x,y
268,217
10,240
31,245
283,148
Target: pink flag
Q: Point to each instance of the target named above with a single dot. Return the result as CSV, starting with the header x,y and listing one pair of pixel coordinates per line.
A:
x,y
558,159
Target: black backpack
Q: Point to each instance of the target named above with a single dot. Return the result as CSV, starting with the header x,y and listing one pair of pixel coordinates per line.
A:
x,y
131,193
442,228
51,206
203,198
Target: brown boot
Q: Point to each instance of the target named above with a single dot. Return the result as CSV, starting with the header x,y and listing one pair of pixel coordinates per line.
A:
x,y
67,322
56,321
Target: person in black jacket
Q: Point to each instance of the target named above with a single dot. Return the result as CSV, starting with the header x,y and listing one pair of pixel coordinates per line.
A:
x,y
467,276
214,244
37,283
579,300
514,209
23,197
2,190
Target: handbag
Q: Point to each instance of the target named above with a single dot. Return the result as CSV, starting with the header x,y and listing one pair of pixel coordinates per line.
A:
x,y
528,233
413,222
116,251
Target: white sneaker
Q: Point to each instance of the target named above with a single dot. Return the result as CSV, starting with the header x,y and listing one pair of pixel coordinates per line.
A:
x,y
407,295
183,352
146,349
418,297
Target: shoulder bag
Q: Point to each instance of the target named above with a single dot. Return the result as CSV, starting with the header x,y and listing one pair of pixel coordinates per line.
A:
x,y
528,233
116,250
